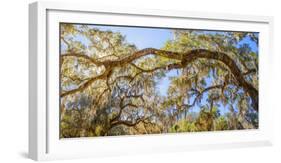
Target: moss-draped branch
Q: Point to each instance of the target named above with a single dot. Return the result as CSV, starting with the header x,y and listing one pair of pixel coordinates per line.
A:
x,y
183,60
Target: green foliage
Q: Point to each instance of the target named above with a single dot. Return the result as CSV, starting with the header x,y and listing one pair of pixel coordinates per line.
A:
x,y
183,126
205,121
221,124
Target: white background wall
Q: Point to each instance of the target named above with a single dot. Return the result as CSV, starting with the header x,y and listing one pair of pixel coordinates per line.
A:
x,y
14,81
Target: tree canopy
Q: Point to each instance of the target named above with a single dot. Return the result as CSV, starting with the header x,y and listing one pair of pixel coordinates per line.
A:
x,y
111,87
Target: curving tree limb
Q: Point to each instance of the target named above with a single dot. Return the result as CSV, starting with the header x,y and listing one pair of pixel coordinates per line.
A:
x,y
183,58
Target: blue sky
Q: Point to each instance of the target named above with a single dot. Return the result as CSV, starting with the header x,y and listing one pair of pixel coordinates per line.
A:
x,y
142,37
156,38
248,41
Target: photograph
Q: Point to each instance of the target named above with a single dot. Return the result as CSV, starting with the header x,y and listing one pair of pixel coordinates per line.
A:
x,y
118,80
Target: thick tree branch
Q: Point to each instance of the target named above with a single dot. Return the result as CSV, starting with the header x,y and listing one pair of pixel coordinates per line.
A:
x,y
250,71
128,123
81,55
85,85
185,59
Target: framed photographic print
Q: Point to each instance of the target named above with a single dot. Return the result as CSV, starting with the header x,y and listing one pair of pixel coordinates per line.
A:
x,y
108,81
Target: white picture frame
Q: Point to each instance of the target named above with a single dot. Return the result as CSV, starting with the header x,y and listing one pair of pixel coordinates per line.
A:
x,y
44,142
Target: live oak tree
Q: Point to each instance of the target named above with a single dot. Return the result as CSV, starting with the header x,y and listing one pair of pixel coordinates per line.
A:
x,y
109,86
